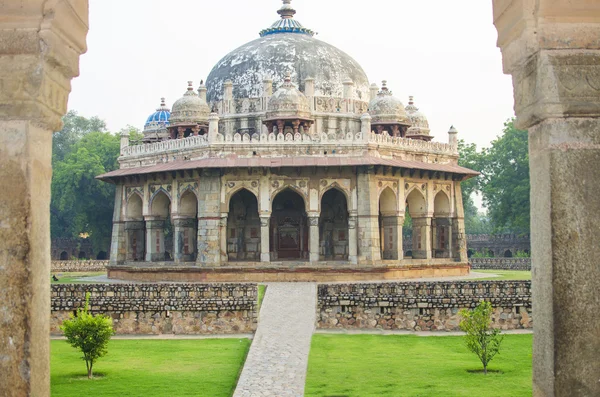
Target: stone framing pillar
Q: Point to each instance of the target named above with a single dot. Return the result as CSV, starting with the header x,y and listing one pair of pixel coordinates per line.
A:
x,y
552,51
392,236
155,239
265,223
352,239
184,235
118,241
313,236
209,219
40,44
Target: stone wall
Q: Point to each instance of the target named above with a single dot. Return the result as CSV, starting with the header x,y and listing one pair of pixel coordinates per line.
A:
x,y
78,266
421,306
500,263
162,308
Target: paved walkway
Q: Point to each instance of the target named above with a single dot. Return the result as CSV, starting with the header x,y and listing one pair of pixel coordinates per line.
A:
x,y
278,358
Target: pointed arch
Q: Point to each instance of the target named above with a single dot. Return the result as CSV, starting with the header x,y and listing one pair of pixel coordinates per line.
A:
x,y
338,187
160,204
293,189
333,225
235,191
243,226
134,208
388,201
441,204
188,203
416,202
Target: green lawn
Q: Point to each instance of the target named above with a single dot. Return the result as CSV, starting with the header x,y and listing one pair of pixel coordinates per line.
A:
x,y
261,294
207,367
73,277
506,274
399,365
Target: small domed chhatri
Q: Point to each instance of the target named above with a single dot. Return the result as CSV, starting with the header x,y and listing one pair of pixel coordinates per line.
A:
x,y
388,113
189,115
288,107
419,126
287,166
156,125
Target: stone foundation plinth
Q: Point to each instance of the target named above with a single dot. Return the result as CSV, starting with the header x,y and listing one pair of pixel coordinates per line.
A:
x,y
287,271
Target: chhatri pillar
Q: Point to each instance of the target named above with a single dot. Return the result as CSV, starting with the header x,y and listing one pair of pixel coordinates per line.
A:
x,y
40,44
552,50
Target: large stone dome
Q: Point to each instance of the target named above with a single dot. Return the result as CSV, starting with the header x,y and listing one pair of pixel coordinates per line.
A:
x,y
286,47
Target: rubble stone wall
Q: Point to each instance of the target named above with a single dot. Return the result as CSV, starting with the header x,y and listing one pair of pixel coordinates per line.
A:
x,y
427,306
79,266
155,309
500,263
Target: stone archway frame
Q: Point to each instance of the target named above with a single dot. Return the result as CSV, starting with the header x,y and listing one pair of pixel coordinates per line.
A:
x,y
449,214
421,187
128,198
233,187
342,185
281,188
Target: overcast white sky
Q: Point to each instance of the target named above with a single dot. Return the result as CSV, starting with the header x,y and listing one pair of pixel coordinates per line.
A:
x,y
442,52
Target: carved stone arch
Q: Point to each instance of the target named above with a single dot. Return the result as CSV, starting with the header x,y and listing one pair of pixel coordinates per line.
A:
x,y
436,204
188,188
132,193
235,191
423,195
385,200
335,185
128,209
294,189
151,201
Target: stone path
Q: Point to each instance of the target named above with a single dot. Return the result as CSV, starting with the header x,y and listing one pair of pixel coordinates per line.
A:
x,y
278,358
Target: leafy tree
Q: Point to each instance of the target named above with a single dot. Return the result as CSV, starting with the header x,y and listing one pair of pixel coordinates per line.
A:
x,y
88,333
475,223
505,181
80,203
75,127
479,338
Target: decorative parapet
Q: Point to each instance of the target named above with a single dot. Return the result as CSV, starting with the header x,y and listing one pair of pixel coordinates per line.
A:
x,y
79,266
498,237
349,138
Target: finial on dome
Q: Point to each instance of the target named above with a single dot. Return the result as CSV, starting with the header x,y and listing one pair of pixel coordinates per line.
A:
x,y
384,88
452,130
288,76
286,11
411,100
190,86
162,102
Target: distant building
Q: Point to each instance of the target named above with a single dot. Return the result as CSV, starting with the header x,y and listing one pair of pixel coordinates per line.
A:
x,y
287,164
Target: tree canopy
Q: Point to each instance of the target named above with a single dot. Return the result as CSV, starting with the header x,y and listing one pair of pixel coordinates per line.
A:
x,y
80,203
503,184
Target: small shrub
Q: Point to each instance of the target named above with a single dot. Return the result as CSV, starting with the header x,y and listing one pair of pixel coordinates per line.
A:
x,y
521,254
480,338
89,334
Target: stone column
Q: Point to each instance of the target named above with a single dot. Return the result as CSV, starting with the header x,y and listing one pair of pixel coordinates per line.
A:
x,y
368,217
265,221
40,44
209,219
421,238
118,244
223,237
392,236
352,239
552,51
155,239
313,237
184,237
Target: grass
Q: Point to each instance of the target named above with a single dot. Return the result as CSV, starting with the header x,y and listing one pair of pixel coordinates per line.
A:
x,y
506,274
205,367
400,365
73,277
261,294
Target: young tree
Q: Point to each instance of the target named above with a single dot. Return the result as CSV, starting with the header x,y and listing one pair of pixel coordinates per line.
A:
x,y
88,333
480,338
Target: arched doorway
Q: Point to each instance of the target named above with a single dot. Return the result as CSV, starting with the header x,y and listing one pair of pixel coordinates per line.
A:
x,y
390,225
101,255
508,254
243,227
421,224
185,228
64,256
333,226
159,230
289,229
82,255
441,226
135,229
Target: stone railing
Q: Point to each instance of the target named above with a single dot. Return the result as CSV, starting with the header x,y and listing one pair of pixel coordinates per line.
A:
x,y
500,263
79,266
162,308
421,306
498,237
280,138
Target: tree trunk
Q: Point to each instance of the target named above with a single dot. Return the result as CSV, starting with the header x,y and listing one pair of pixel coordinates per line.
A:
x,y
484,369
90,371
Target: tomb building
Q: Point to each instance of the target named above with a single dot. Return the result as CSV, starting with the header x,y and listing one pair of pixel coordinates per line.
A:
x,y
287,165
